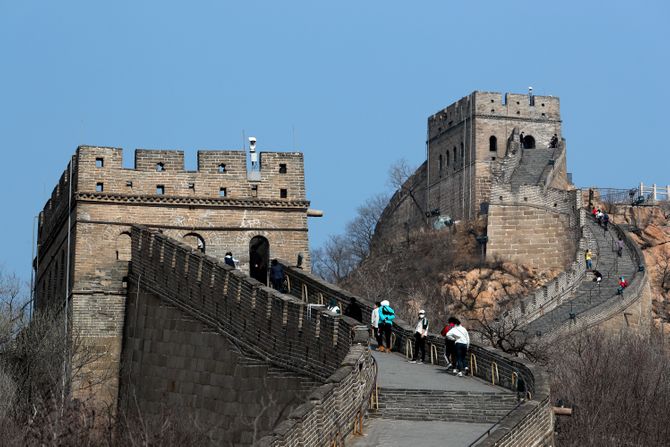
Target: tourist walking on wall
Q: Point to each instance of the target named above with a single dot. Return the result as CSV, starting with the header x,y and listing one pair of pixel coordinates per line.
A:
x,y
449,348
521,137
229,260
277,275
587,257
619,246
622,285
599,217
386,317
461,340
420,334
553,143
353,310
606,220
333,307
597,277
374,325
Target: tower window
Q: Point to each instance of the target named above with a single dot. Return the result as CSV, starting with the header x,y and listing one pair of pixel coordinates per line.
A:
x,y
222,192
254,190
99,187
493,143
447,158
282,168
222,168
99,162
160,189
283,193
440,163
160,167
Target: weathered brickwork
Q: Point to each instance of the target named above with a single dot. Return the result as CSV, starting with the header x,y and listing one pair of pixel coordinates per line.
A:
x,y
535,225
220,207
532,423
204,340
474,148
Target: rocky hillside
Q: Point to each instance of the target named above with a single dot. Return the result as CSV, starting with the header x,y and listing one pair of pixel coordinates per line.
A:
x,y
442,272
650,228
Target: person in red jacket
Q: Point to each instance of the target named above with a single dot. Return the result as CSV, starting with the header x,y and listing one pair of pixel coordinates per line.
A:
x,y
622,285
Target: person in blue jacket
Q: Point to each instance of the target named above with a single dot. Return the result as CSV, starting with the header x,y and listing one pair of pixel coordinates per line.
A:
x,y
386,317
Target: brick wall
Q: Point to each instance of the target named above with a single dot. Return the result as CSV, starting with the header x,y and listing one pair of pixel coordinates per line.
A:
x,y
275,328
536,226
533,420
175,364
461,170
107,199
631,309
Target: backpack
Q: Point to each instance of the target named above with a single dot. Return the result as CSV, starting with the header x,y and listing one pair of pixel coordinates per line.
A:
x,y
387,314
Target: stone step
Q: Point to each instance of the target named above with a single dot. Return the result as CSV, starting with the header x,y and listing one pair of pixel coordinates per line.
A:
x,y
588,295
447,406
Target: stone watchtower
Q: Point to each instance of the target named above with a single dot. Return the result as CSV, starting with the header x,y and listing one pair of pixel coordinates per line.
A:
x,y
256,214
470,137
500,158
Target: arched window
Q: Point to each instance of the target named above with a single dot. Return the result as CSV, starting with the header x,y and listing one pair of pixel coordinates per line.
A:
x,y
447,158
440,163
123,247
493,144
529,142
195,241
455,159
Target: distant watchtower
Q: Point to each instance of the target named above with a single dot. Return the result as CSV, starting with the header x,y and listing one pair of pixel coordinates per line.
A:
x,y
469,137
215,209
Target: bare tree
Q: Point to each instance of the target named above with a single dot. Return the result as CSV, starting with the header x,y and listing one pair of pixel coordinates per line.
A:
x,y
618,386
361,230
399,175
334,260
507,335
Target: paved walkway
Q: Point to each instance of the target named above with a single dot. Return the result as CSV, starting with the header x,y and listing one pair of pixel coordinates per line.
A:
x,y
588,294
393,433
396,372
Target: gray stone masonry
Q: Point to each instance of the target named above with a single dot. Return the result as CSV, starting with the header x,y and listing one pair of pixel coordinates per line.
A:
x,y
530,424
589,295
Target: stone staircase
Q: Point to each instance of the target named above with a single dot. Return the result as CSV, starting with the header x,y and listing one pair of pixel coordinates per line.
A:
x,y
531,167
446,406
589,295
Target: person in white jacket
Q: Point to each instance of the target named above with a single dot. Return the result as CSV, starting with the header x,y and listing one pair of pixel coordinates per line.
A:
x,y
462,340
420,334
374,325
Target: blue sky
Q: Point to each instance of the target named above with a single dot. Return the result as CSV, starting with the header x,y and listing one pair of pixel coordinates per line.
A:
x,y
350,82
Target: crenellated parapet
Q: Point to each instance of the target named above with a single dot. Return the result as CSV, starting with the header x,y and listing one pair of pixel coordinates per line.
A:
x,y
531,422
219,174
273,328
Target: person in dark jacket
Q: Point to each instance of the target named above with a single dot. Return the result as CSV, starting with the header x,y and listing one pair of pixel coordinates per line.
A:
x,y
277,275
353,310
228,259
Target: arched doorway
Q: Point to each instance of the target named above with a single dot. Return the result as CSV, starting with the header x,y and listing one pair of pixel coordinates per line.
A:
x,y
123,247
195,241
259,258
529,142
